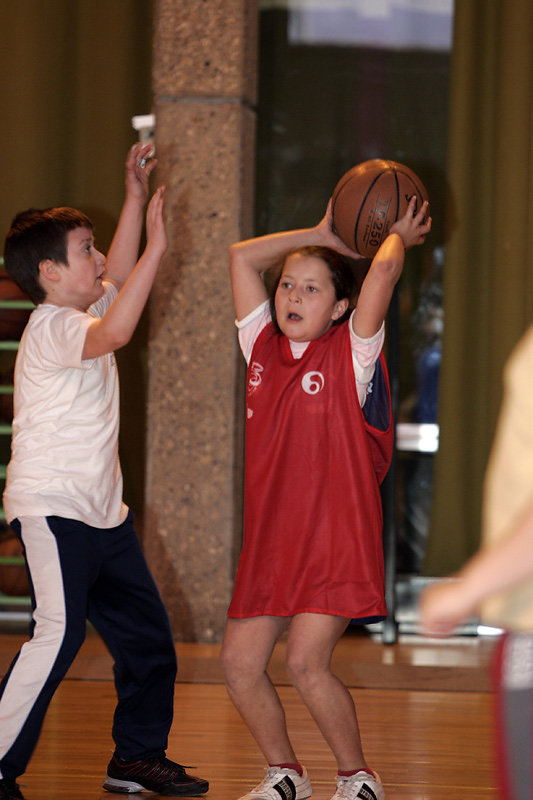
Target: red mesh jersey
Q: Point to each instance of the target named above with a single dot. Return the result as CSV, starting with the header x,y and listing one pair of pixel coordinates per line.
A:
x,y
313,518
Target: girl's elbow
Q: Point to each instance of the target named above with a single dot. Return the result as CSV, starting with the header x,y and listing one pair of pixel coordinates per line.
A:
x,y
389,269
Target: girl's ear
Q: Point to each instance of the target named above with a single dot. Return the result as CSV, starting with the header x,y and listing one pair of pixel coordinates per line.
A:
x,y
340,308
49,269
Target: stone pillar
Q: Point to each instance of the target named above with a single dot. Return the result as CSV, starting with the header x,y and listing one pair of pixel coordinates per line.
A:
x,y
204,86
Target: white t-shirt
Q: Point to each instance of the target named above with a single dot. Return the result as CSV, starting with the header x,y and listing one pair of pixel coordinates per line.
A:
x,y
365,352
64,453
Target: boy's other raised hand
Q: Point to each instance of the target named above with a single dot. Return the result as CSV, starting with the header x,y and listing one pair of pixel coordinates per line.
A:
x,y
139,165
413,227
156,235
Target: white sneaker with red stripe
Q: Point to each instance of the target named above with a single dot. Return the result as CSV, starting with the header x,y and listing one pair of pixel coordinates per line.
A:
x,y
281,784
361,786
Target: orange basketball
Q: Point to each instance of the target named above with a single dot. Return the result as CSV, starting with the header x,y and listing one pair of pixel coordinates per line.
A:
x,y
369,198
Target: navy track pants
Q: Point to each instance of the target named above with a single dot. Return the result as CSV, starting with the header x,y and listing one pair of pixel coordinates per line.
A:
x,y
78,572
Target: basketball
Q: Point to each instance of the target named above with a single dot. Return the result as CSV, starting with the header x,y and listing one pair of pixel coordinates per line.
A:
x,y
369,198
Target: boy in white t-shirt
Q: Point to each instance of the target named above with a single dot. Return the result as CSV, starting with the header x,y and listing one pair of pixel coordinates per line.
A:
x,y
63,494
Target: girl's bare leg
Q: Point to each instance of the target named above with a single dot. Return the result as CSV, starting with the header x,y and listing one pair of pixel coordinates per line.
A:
x,y
246,651
311,640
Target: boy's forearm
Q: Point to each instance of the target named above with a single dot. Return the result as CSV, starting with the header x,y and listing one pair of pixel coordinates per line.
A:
x,y
124,249
116,327
124,313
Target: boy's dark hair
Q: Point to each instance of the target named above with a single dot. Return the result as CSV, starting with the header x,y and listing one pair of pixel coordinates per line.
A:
x,y
35,235
342,276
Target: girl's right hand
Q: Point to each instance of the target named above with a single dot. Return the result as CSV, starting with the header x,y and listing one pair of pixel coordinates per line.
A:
x,y
329,238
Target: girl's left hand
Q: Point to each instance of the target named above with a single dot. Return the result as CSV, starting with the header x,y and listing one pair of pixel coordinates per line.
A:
x,y
413,228
139,165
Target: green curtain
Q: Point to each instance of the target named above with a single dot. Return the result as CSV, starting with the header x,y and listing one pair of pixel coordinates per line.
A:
x,y
72,74
488,283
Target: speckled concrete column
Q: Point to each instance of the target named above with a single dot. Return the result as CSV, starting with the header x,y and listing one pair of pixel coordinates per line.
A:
x,y
204,83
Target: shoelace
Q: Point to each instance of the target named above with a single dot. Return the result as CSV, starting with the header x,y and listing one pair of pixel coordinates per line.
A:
x,y
269,780
349,787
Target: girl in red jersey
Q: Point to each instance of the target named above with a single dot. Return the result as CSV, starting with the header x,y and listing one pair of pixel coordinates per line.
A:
x,y
318,443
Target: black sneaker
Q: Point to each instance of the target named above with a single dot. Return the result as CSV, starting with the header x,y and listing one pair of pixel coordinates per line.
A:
x,y
154,774
9,790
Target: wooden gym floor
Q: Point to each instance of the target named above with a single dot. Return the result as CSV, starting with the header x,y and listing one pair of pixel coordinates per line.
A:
x,y
424,709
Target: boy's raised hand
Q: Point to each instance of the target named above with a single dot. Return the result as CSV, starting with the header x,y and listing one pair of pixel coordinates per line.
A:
x,y
413,227
139,165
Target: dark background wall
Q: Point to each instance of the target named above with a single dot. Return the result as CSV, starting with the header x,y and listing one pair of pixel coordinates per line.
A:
x,y
72,74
